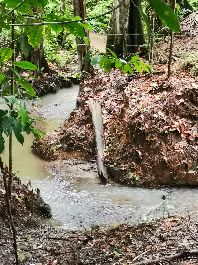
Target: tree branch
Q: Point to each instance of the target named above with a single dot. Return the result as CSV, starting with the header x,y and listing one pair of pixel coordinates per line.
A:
x,y
44,23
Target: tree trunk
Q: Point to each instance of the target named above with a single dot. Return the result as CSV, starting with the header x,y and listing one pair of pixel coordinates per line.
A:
x,y
82,49
116,39
135,29
126,32
96,112
35,56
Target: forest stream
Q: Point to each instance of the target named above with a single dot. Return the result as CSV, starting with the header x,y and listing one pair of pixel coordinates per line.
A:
x,y
73,189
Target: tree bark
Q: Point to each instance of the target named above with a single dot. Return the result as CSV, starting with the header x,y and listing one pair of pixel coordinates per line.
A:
x,y
126,31
116,38
82,49
96,112
35,56
135,29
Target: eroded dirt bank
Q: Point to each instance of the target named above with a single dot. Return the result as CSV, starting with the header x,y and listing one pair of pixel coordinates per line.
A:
x,y
150,122
150,128
27,209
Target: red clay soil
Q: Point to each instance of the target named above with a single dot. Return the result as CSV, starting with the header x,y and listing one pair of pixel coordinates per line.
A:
x,y
150,128
150,123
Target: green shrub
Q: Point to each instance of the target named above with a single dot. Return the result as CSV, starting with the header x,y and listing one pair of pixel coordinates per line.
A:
x,y
190,62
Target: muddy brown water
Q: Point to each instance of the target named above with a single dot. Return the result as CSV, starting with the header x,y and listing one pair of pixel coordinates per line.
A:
x,y
73,190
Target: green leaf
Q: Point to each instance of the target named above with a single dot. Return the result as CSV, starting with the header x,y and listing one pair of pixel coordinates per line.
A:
x,y
26,85
17,128
24,45
86,40
3,113
23,115
7,124
5,54
138,67
25,65
12,3
11,100
127,68
35,36
105,63
166,14
37,133
76,29
2,77
112,53
87,26
118,64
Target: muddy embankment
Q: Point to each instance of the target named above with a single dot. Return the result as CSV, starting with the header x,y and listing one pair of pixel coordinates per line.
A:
x,y
150,129
150,122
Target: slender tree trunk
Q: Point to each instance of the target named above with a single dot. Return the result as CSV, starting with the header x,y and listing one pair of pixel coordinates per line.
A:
x,y
152,39
171,43
11,108
6,174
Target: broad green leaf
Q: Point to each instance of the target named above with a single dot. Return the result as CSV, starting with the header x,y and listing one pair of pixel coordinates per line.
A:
x,y
27,87
87,26
23,115
7,124
55,28
127,69
11,100
138,68
5,54
17,129
27,5
24,45
75,29
166,14
35,36
118,64
12,3
38,3
2,77
105,63
25,65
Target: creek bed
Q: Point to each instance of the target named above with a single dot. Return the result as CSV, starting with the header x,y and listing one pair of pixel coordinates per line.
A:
x,y
73,190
